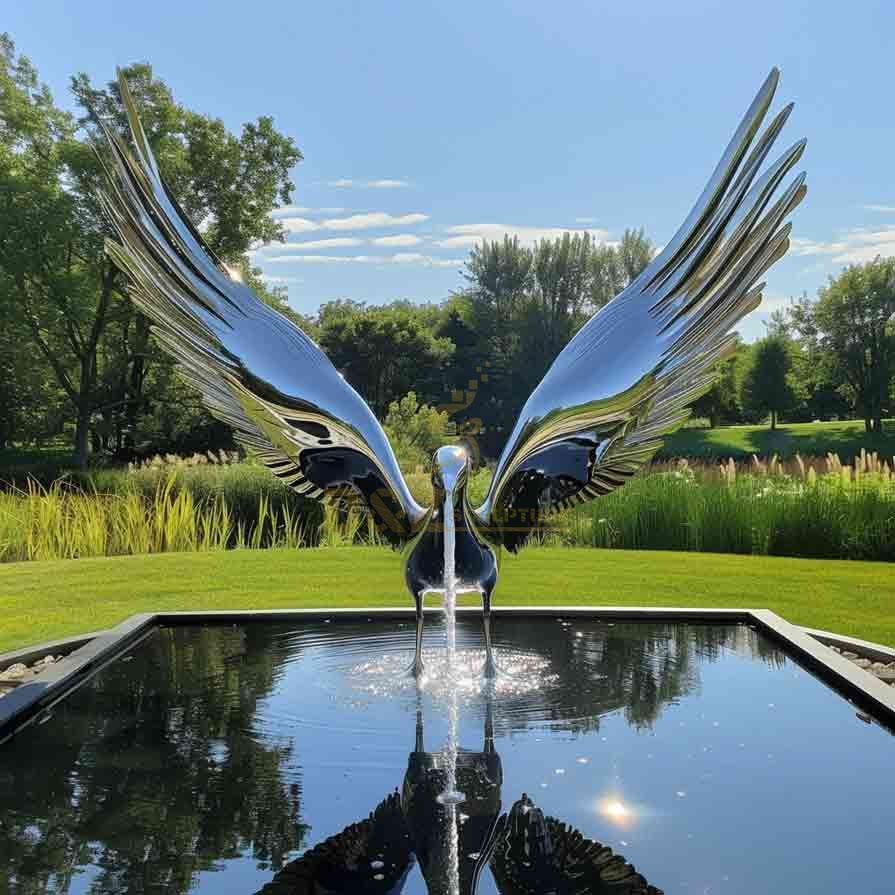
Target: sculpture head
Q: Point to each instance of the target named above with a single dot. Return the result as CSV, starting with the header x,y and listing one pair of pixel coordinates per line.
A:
x,y
450,471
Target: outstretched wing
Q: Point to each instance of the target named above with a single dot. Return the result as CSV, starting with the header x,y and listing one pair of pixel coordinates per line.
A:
x,y
343,864
255,370
536,853
629,374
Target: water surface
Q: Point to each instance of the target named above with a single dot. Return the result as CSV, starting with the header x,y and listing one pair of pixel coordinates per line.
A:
x,y
211,757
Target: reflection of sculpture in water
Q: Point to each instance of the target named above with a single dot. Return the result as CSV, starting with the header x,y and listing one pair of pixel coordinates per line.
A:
x,y
535,854
479,778
527,852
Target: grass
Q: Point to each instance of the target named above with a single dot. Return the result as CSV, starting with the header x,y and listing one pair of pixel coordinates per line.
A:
x,y
839,512
816,509
53,599
25,455
844,438
68,523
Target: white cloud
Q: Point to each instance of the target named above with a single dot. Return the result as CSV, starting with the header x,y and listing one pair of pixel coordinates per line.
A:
x,y
311,245
373,219
466,235
425,260
811,247
585,220
852,247
382,183
413,258
367,221
299,225
885,209
281,281
288,210
309,259
399,239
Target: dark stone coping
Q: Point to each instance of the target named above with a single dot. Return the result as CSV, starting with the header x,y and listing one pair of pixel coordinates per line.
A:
x,y
31,701
865,648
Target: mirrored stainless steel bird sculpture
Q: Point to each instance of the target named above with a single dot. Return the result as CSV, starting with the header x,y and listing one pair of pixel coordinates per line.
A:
x,y
599,414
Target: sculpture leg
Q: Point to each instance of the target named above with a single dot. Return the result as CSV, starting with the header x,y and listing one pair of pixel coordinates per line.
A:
x,y
488,746
490,664
419,745
416,669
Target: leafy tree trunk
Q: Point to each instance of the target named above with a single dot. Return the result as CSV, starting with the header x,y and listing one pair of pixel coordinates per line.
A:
x,y
773,420
878,401
137,377
83,346
82,436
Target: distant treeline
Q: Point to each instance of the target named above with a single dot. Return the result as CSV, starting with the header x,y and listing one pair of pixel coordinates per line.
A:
x,y
77,361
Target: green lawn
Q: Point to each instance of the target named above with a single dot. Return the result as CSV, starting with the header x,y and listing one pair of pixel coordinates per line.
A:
x,y
808,439
46,600
57,454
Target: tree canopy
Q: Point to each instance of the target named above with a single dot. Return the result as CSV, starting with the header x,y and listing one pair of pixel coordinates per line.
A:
x,y
767,386
62,297
851,328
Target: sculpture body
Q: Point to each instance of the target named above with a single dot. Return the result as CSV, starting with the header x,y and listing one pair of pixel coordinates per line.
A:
x,y
625,380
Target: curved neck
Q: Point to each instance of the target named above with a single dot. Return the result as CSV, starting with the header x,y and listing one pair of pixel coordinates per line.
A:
x,y
453,493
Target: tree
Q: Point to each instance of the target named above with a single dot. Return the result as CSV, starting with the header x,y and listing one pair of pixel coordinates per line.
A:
x,y
851,323
635,251
499,274
227,184
383,351
54,274
766,386
526,303
30,407
721,401
45,256
613,267
558,301
416,430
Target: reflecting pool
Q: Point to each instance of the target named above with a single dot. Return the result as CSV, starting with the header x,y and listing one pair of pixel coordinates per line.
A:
x,y
300,758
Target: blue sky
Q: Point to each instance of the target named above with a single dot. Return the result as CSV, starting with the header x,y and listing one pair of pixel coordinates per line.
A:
x,y
427,125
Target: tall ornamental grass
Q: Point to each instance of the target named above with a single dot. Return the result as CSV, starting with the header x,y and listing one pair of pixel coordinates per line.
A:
x,y
65,522
845,512
817,508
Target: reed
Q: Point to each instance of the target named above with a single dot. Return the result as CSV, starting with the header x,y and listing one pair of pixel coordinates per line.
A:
x,y
815,507
844,512
66,522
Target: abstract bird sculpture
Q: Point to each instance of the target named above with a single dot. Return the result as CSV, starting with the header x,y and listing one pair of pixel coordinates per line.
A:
x,y
599,414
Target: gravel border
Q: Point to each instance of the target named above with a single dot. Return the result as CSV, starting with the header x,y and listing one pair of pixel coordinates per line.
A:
x,y
22,665
874,658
